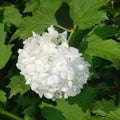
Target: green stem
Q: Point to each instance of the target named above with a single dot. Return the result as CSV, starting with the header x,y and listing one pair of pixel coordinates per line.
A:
x,y
74,28
63,28
68,30
9,115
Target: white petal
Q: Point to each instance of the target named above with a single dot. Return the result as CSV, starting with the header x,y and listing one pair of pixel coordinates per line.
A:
x,y
30,68
81,67
48,95
53,32
63,75
53,70
70,75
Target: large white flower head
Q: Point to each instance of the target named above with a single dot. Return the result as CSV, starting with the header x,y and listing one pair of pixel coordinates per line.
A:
x,y
52,68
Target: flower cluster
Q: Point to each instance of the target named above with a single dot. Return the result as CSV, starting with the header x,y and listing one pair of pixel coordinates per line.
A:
x,y
52,68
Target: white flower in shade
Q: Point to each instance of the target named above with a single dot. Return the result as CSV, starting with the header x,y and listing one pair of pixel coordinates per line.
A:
x,y
52,68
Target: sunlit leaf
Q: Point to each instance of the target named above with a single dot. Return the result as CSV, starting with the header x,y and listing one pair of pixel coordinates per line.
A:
x,y
105,105
40,20
3,34
17,85
107,109
114,115
11,15
86,13
3,97
27,117
32,5
5,50
54,5
107,49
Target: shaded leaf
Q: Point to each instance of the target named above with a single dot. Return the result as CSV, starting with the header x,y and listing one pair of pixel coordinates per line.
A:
x,y
17,85
30,110
86,13
116,64
63,110
105,31
77,38
64,19
26,100
51,113
85,98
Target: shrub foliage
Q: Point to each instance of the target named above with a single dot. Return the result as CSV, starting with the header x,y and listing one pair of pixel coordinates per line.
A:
x,y
93,27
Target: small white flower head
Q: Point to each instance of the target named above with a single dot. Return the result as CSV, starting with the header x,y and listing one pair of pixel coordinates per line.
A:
x,y
52,68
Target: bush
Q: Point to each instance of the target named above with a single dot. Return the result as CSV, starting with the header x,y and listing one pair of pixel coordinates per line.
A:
x,y
93,28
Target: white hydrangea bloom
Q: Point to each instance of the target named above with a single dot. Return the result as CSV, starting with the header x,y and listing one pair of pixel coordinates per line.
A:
x,y
52,68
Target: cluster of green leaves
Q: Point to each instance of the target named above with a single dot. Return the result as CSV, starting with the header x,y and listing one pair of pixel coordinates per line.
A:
x,y
95,32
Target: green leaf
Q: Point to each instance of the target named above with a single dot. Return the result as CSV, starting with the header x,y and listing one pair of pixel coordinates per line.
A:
x,y
96,118
85,98
51,113
30,110
3,98
100,112
5,53
41,19
77,38
17,85
54,5
11,15
63,111
26,100
119,38
86,13
32,5
105,31
3,34
114,115
107,49
27,117
5,50
116,64
107,109
67,1
105,105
